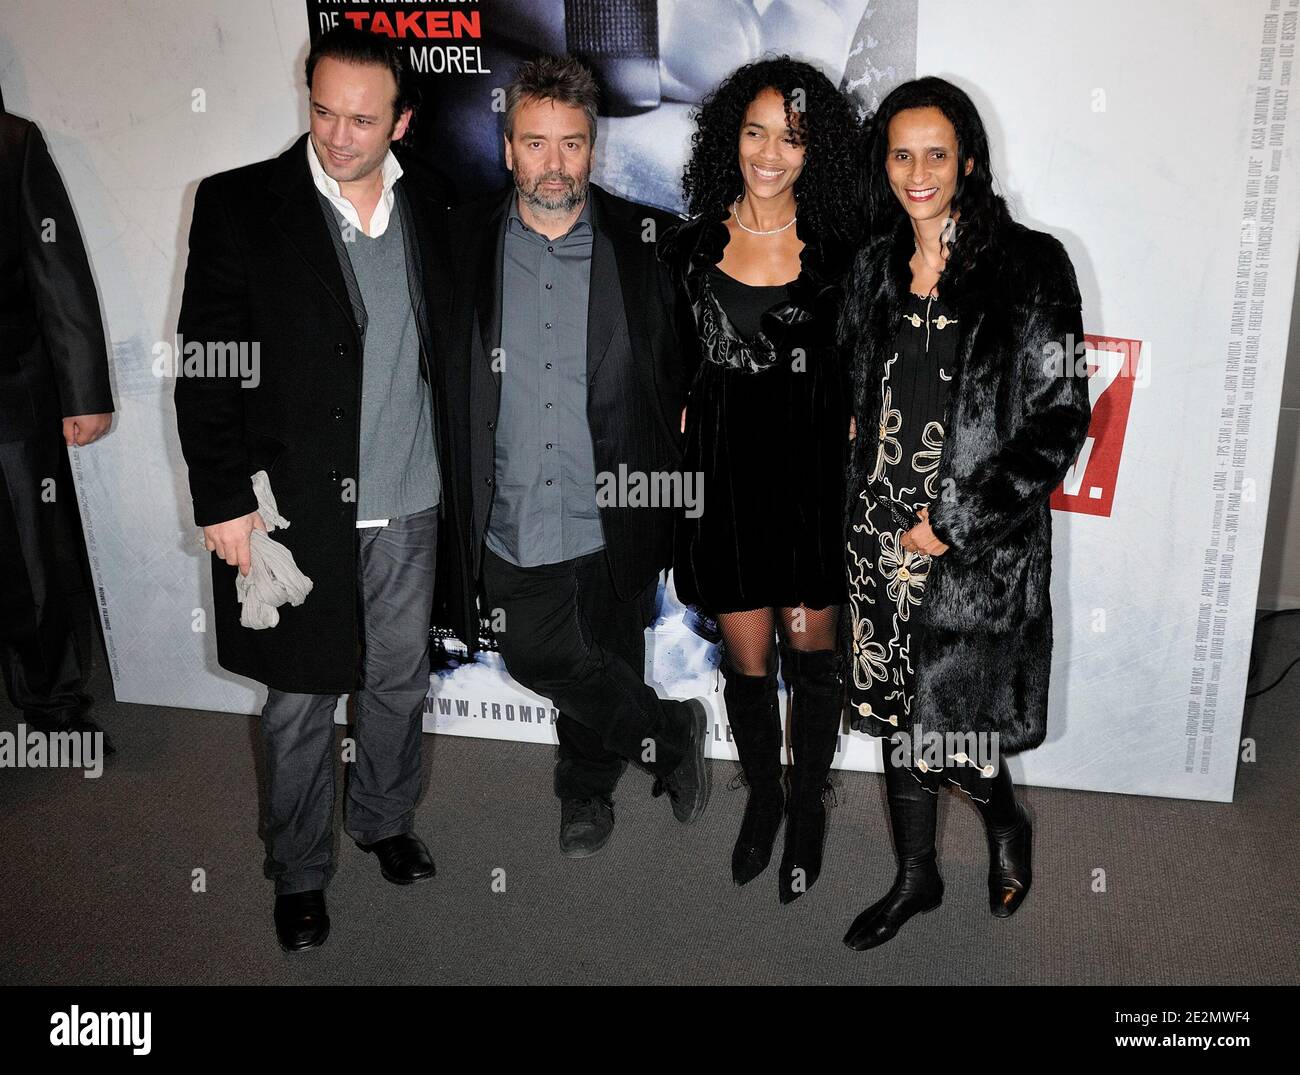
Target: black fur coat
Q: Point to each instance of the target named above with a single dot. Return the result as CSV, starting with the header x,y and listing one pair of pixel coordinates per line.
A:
x,y
1019,417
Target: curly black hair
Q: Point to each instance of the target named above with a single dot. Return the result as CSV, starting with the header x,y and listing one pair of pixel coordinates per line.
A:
x,y
983,211
827,126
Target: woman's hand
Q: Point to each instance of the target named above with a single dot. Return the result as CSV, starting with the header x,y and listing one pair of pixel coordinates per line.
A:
x,y
853,427
683,419
921,538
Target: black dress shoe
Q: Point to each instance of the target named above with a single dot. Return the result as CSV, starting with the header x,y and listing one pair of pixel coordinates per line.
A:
x,y
585,825
78,724
403,859
301,921
84,724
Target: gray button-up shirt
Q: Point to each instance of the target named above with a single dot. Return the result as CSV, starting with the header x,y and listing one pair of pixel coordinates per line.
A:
x,y
544,510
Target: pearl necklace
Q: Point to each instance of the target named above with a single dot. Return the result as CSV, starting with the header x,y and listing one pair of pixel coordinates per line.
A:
x,y
754,231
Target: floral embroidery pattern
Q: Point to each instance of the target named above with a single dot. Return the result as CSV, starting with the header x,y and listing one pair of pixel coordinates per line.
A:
x,y
905,572
887,582
926,461
889,450
869,657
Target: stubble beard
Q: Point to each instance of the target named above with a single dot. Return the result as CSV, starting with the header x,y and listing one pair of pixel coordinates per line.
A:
x,y
556,204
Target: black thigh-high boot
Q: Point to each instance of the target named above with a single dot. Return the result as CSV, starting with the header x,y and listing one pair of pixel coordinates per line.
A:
x,y
817,702
754,713
917,886
1010,836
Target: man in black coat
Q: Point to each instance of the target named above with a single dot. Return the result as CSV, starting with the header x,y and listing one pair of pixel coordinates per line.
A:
x,y
565,390
53,364
303,271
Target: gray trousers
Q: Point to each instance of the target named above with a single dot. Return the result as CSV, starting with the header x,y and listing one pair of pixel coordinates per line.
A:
x,y
395,572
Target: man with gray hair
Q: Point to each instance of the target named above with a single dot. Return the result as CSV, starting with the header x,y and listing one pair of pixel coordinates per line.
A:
x,y
563,365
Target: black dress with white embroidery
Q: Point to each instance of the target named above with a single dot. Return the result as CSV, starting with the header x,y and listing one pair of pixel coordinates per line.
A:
x,y
887,582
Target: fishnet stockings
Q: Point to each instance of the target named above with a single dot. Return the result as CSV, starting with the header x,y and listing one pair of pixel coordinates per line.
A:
x,y
749,637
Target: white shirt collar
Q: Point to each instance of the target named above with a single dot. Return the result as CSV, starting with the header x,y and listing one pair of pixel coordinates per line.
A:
x,y
391,172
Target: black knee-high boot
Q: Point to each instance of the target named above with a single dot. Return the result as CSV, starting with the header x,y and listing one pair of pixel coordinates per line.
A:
x,y
1010,836
754,713
917,887
817,700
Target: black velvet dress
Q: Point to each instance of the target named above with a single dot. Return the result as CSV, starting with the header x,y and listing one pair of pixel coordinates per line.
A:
x,y
886,582
767,427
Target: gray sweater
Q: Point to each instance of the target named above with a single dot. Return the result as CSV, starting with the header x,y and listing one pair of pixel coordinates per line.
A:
x,y
399,465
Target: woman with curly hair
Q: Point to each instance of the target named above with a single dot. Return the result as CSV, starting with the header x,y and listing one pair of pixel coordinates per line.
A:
x,y
768,186
962,328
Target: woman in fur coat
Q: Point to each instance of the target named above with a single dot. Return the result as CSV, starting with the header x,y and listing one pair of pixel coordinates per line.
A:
x,y
965,339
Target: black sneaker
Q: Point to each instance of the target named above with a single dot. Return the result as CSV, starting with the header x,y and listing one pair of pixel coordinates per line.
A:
x,y
585,825
688,785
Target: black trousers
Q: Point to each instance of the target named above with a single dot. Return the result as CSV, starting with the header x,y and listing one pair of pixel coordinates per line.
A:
x,y
569,637
38,647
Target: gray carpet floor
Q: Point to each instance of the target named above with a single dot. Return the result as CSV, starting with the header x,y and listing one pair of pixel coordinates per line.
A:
x,y
96,882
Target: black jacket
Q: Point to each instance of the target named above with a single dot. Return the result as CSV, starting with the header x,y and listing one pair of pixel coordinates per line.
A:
x,y
263,269
1018,419
635,388
53,356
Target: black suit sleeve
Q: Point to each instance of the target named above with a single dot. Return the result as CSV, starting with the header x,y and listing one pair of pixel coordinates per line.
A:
x,y
210,409
62,287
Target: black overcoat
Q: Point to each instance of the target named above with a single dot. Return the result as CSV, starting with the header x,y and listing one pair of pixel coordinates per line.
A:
x,y
263,269
53,357
1019,416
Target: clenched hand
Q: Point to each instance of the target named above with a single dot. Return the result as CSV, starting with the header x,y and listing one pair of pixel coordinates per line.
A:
x,y
83,429
231,540
921,538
